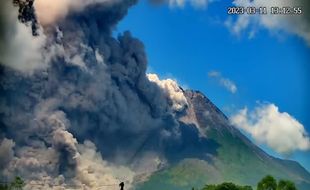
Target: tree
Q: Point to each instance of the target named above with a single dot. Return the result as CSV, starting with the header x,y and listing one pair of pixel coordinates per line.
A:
x,y
210,187
17,184
267,183
286,185
4,187
246,188
227,186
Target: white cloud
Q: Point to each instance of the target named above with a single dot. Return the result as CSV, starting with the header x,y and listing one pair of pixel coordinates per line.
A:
x,y
294,24
214,74
225,82
278,130
195,3
172,90
229,85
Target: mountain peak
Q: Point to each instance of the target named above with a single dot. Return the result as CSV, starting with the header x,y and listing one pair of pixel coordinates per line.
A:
x,y
202,112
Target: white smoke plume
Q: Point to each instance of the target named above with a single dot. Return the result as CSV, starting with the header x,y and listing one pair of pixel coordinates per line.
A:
x,y
6,152
97,173
173,91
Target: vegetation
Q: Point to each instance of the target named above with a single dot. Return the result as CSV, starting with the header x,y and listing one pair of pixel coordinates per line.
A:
x,y
16,184
270,183
286,185
227,186
267,183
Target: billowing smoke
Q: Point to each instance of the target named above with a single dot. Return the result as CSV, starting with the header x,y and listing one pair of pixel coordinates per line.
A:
x,y
172,90
86,114
49,11
17,38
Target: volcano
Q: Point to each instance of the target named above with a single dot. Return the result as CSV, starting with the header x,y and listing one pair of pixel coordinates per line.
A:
x,y
234,158
80,112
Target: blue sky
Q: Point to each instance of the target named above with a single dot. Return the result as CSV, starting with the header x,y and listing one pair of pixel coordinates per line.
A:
x,y
188,43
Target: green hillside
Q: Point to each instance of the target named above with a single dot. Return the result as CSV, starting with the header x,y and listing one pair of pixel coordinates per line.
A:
x,y
236,159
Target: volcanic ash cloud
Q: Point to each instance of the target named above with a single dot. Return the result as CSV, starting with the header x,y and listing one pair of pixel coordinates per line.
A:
x,y
89,111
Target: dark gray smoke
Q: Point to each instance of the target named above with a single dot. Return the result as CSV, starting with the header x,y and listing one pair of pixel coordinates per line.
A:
x,y
93,90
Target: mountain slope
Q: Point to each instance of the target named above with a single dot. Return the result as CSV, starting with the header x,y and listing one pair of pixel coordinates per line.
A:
x,y
236,158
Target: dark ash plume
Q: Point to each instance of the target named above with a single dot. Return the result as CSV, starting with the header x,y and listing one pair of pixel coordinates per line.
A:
x,y
92,112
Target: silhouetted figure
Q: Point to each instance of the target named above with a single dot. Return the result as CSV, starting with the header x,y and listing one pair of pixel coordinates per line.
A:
x,y
122,185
